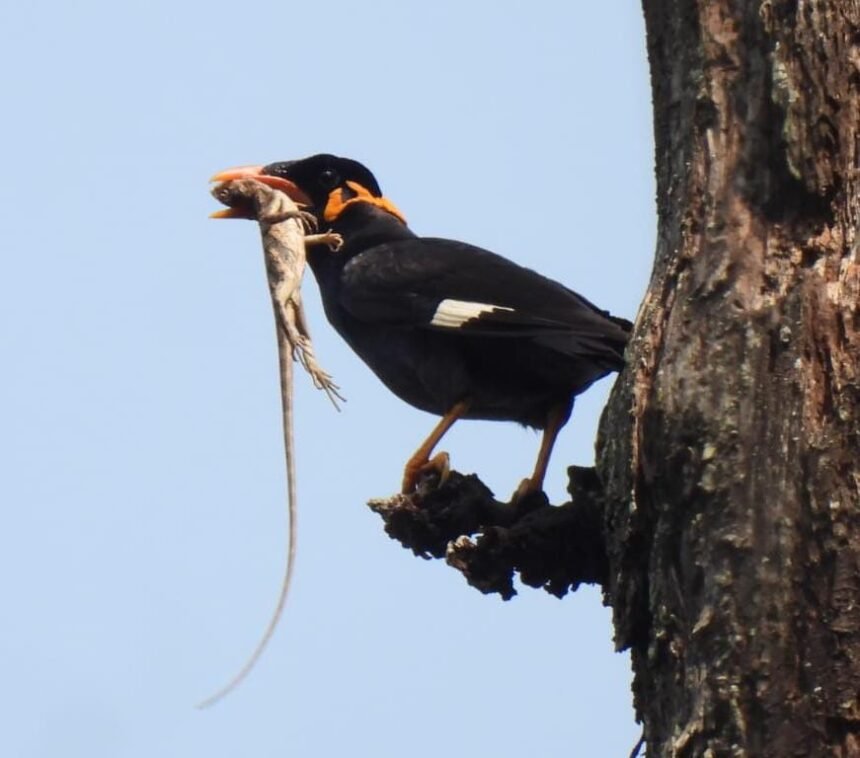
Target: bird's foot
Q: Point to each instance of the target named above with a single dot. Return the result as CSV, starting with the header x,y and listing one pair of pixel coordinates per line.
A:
x,y
527,487
332,239
439,465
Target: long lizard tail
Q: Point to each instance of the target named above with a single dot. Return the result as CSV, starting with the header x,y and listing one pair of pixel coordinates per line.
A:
x,y
285,359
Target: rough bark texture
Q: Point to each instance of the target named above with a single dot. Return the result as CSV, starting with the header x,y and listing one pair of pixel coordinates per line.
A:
x,y
729,450
553,547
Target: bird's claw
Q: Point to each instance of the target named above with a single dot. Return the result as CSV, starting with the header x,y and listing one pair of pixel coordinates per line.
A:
x,y
526,488
416,471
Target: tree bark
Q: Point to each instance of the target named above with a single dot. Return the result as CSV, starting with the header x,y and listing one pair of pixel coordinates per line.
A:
x,y
730,449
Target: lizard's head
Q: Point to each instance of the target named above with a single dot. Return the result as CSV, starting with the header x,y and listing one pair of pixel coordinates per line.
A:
x,y
244,198
324,184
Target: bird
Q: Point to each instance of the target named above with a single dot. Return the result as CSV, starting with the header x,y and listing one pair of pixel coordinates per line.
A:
x,y
448,327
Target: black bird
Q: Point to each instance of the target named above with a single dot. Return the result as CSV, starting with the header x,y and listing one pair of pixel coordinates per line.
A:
x,y
448,327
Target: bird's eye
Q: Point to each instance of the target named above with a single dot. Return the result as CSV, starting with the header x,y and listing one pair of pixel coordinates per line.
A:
x,y
329,179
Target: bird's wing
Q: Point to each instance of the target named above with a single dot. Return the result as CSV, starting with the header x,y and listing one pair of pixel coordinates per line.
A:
x,y
451,286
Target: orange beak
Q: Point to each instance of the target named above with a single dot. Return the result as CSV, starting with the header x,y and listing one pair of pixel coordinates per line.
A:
x,y
289,188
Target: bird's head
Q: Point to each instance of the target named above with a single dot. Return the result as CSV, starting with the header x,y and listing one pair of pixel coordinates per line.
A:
x,y
324,184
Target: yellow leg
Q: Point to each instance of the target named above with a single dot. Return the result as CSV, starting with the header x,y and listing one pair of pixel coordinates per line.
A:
x,y
556,419
420,462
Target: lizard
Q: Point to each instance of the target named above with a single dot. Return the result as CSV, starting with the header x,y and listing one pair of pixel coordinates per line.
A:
x,y
283,228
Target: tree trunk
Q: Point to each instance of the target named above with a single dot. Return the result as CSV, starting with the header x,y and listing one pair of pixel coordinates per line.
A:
x,y
730,449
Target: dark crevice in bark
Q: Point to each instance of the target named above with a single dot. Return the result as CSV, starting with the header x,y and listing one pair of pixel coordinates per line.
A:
x,y
785,198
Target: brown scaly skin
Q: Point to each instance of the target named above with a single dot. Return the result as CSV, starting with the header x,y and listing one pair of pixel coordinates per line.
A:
x,y
282,227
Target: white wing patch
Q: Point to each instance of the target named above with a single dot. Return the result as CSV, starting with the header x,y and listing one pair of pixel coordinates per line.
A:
x,y
452,314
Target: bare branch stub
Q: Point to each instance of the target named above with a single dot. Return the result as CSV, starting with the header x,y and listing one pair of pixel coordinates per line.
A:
x,y
553,547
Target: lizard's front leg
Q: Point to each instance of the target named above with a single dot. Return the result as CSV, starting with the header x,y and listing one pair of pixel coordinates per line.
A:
x,y
332,239
275,213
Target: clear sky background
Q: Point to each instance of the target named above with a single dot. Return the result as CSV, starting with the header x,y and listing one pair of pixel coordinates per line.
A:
x,y
142,487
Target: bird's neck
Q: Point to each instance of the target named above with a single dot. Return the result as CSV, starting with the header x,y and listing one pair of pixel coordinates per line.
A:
x,y
363,226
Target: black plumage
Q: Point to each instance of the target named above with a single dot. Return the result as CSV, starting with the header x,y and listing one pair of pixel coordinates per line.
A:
x,y
448,327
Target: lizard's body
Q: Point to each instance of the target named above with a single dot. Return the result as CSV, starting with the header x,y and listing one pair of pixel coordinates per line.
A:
x,y
282,228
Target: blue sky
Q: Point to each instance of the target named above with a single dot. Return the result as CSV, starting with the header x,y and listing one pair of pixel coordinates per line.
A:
x,y
143,483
